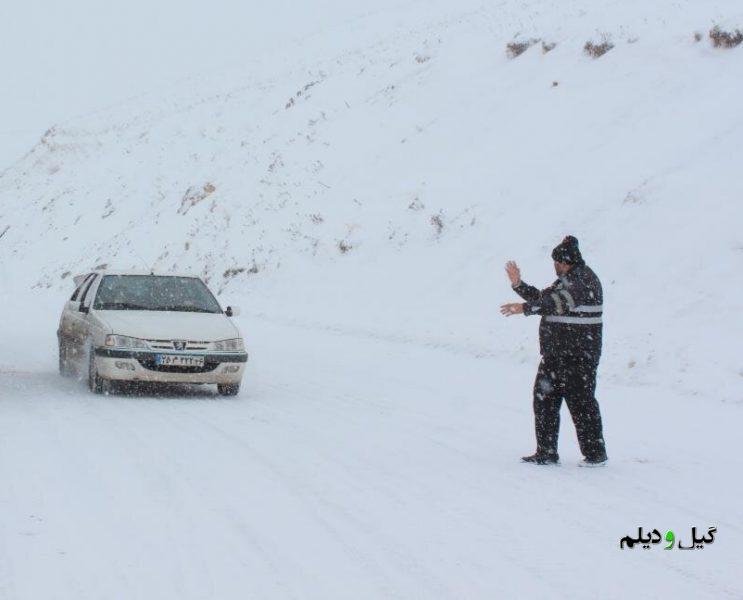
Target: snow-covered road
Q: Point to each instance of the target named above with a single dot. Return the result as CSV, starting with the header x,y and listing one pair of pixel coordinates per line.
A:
x,y
355,467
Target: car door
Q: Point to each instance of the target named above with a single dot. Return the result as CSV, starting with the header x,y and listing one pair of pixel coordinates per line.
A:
x,y
80,318
70,313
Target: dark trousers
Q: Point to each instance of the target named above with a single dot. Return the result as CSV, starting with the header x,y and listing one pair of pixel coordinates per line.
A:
x,y
574,380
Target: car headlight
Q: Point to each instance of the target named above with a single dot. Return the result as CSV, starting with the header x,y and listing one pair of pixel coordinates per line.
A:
x,y
229,345
123,341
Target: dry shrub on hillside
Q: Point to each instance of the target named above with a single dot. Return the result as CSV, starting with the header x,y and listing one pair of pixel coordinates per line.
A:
x,y
597,50
515,49
344,246
725,39
194,195
548,46
697,36
233,272
416,204
438,223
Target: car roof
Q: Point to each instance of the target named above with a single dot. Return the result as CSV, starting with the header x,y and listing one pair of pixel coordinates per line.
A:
x,y
148,273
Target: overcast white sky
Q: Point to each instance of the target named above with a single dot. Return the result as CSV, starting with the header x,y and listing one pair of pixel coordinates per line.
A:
x,y
60,59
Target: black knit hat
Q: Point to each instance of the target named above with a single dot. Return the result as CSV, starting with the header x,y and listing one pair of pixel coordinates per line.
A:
x,y
567,252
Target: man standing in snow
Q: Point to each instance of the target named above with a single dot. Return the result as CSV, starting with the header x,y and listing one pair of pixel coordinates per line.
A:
x,y
570,344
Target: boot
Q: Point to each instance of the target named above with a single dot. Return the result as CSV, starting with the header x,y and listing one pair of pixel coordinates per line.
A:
x,y
595,461
542,458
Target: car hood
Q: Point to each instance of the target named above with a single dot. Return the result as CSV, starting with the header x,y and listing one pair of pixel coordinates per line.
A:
x,y
163,325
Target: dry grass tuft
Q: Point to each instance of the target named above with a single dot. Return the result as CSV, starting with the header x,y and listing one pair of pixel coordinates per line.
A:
x,y
438,223
344,246
548,46
725,39
597,50
515,49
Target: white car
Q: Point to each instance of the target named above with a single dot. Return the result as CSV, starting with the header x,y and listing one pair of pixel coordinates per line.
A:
x,y
130,326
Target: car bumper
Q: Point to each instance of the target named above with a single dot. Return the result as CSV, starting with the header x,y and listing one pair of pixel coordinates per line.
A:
x,y
137,365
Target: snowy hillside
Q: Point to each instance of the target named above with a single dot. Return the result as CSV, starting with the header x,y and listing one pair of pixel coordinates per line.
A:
x,y
432,158
358,195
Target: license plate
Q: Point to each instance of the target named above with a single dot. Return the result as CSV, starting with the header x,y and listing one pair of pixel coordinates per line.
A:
x,y
177,360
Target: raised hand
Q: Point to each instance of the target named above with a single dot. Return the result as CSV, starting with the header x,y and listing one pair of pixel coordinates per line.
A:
x,y
514,273
512,309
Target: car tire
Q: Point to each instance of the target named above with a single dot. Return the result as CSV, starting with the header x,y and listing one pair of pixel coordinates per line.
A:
x,y
65,368
97,384
228,389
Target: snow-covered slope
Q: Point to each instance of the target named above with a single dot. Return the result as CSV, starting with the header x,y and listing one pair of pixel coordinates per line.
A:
x,y
383,185
358,196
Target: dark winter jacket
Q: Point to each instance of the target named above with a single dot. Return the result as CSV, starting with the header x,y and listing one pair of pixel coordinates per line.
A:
x,y
571,310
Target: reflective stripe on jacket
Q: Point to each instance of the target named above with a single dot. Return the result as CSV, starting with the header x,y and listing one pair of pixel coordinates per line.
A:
x,y
572,314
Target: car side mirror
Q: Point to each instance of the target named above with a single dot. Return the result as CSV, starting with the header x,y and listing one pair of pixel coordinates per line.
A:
x,y
232,311
84,309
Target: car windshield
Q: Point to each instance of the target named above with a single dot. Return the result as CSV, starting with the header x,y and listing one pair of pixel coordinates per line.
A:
x,y
155,292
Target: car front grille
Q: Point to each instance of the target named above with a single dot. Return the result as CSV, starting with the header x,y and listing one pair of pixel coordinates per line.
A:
x,y
171,345
151,365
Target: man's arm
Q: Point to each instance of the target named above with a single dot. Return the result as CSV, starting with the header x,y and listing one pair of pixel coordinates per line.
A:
x,y
550,301
527,292
546,302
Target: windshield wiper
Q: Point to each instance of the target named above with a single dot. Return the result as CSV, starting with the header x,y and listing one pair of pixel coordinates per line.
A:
x,y
123,306
197,309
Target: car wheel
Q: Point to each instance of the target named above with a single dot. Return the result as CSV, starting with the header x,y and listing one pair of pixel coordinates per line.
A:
x,y
230,389
97,384
65,369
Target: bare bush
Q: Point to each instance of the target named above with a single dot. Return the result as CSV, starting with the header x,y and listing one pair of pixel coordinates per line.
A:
x,y
597,50
194,195
697,36
416,204
725,39
548,46
438,222
344,246
515,49
233,272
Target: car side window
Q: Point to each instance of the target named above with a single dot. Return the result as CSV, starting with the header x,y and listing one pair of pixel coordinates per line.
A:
x,y
80,287
87,289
